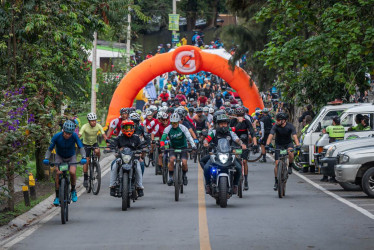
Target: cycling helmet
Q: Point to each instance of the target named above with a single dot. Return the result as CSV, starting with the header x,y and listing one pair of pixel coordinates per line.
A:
x,y
138,111
153,108
205,109
231,97
239,111
170,110
175,117
202,93
91,117
164,116
265,110
199,110
69,126
222,108
181,112
191,99
124,111
159,115
148,112
164,104
227,104
336,119
191,110
164,109
281,116
127,128
231,111
132,109
246,109
134,117
211,110
258,111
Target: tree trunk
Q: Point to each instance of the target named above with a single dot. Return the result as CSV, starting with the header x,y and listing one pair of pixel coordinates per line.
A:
x,y
191,21
10,181
39,156
212,20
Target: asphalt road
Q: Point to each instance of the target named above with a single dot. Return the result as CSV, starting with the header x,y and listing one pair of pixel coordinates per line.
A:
x,y
306,218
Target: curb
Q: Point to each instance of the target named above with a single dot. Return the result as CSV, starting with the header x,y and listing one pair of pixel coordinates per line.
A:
x,y
44,208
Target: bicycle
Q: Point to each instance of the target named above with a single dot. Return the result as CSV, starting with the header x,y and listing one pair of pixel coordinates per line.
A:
x,y
156,153
178,176
238,153
252,156
94,175
64,189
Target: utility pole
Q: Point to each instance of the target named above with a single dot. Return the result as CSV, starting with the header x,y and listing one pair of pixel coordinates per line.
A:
x,y
128,45
93,83
174,12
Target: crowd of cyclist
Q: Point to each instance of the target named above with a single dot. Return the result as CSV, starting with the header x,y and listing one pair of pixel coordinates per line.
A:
x,y
184,116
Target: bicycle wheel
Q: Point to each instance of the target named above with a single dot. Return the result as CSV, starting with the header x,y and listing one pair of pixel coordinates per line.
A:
x,y
62,197
284,181
180,179
241,187
89,186
96,178
252,157
68,201
147,161
176,181
155,160
164,170
280,178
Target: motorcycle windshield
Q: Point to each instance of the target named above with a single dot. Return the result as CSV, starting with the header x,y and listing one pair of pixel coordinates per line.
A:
x,y
223,146
126,151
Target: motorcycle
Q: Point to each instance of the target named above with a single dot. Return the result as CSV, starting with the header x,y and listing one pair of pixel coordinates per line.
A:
x,y
222,170
127,162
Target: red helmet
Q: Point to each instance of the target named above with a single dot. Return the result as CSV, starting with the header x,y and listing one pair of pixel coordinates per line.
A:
x,y
128,127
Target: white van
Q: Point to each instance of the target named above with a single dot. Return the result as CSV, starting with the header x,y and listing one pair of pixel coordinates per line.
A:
x,y
324,119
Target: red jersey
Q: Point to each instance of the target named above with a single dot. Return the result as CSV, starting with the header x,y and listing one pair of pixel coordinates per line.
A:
x,y
150,124
203,99
164,97
159,129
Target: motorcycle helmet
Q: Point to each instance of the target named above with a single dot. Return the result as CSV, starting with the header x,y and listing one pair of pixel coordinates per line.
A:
x,y
128,128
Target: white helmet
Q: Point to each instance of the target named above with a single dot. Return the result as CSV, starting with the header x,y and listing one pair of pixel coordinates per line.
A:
x,y
148,112
159,114
211,110
91,117
134,117
164,104
175,117
162,115
164,109
205,109
153,108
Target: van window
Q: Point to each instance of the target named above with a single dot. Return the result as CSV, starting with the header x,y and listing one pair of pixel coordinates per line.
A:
x,y
347,121
327,120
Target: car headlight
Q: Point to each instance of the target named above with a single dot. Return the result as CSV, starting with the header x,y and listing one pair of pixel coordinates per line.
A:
x,y
223,158
126,158
343,159
330,151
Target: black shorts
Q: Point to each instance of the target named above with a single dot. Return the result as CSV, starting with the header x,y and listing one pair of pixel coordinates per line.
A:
x,y
88,150
286,146
184,154
263,140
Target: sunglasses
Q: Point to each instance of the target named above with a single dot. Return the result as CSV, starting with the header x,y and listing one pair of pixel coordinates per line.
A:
x,y
164,120
174,123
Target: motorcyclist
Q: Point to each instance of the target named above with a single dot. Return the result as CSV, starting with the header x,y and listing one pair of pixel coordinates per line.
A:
x,y
178,135
222,131
127,140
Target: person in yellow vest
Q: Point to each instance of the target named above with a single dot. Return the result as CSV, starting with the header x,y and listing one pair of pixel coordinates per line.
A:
x,y
336,133
184,40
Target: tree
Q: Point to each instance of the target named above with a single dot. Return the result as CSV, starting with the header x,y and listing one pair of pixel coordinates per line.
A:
x,y
320,50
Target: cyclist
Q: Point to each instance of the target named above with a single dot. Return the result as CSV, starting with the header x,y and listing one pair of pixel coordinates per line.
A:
x,y
129,140
115,124
268,124
158,132
284,133
65,142
243,128
178,135
89,133
222,131
200,120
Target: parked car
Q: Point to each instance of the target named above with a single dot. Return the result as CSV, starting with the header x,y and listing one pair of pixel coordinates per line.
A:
x,y
321,121
327,159
357,166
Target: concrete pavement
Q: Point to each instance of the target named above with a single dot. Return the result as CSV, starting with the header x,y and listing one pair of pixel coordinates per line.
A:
x,y
306,218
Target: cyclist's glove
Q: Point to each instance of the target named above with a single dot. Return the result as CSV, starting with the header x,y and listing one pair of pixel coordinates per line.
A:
x,y
46,162
196,141
194,147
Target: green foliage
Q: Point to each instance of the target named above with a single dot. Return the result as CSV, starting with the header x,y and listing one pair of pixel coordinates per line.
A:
x,y
319,49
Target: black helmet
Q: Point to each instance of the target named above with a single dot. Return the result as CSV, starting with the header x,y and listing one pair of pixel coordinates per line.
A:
x,y
222,118
191,109
202,93
216,114
199,109
239,111
281,116
336,119
172,96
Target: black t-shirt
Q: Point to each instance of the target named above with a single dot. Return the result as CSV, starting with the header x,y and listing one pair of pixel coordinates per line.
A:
x,y
267,123
243,127
202,124
283,135
192,95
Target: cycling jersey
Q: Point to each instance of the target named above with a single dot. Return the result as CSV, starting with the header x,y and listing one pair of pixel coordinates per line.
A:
x,y
65,147
267,123
200,125
159,129
164,97
177,137
150,124
283,135
89,133
241,128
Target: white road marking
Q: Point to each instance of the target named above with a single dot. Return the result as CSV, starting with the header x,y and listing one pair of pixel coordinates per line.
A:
x,y
8,243
337,197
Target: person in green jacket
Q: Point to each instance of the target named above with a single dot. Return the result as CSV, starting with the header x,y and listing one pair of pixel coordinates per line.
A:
x,y
336,131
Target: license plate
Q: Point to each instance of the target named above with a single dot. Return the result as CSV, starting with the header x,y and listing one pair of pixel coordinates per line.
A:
x,y
64,167
177,150
157,138
283,152
238,151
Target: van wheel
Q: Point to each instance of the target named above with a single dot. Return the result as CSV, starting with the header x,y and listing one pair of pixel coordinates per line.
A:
x,y
350,186
368,182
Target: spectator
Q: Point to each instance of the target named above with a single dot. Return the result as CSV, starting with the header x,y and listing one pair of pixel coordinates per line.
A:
x,y
184,40
168,47
308,111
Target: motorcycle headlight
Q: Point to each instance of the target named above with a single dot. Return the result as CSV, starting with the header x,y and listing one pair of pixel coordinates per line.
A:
x,y
330,151
343,159
126,158
223,158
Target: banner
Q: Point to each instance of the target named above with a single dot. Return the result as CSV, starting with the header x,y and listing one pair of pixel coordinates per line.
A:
x,y
174,22
175,37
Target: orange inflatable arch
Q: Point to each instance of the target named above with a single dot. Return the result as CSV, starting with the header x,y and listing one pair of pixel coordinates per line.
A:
x,y
185,60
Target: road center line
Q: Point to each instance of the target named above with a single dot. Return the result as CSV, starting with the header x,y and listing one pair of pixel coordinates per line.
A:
x,y
203,221
342,200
